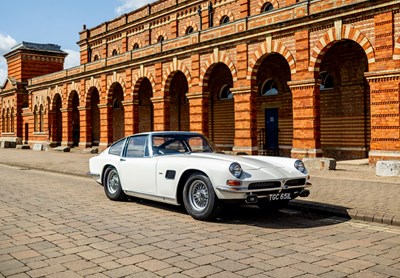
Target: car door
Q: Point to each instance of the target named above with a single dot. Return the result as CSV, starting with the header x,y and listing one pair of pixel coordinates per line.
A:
x,y
137,168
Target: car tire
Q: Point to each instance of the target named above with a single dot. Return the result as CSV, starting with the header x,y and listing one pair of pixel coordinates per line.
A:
x,y
199,198
272,206
112,185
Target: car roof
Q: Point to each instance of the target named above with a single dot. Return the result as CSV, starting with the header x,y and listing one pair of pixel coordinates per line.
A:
x,y
167,133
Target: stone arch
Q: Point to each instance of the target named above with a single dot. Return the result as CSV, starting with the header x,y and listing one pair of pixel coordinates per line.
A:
x,y
270,46
227,13
334,35
213,60
175,66
274,3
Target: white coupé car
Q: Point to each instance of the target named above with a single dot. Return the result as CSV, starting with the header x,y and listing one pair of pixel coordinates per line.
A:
x,y
186,168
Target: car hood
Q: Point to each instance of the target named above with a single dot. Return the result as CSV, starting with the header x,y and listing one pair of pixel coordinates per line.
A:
x,y
248,162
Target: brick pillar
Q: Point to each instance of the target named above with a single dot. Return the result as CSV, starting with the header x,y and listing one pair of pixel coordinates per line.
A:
x,y
124,42
198,101
161,107
128,116
384,40
66,127
84,129
306,119
160,102
245,125
106,125
244,8
385,115
173,28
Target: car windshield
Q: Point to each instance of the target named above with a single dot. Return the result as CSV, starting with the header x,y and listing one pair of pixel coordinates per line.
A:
x,y
164,144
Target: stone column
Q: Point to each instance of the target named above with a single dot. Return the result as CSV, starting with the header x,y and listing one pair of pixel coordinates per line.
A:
x,y
198,110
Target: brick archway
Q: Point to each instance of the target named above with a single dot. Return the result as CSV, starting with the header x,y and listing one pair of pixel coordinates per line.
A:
x,y
211,62
174,67
269,47
334,35
139,76
274,3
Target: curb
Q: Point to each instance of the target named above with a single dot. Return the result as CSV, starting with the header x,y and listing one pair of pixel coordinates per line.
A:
x,y
347,213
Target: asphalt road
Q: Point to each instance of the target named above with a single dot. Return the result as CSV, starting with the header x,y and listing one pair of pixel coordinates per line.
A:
x,y
54,225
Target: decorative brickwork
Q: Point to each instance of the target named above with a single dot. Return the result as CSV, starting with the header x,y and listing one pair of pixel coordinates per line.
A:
x,y
292,78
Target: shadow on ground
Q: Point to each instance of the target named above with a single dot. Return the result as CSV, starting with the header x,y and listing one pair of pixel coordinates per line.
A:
x,y
293,217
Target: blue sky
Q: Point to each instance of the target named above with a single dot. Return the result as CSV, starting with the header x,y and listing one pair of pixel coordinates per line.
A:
x,y
55,21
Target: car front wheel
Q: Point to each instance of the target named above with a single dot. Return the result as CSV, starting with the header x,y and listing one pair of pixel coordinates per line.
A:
x,y
112,185
199,198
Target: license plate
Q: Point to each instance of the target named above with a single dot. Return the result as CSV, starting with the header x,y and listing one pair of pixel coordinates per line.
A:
x,y
280,196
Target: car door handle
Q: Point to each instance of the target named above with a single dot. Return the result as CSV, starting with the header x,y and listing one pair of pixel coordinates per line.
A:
x,y
122,159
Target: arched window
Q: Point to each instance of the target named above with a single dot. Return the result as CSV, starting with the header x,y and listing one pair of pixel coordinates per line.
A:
x,y
114,52
225,92
269,88
267,7
160,39
96,57
135,46
189,30
326,80
224,20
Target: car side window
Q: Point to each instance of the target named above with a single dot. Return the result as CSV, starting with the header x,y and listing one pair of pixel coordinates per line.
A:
x,y
116,148
137,146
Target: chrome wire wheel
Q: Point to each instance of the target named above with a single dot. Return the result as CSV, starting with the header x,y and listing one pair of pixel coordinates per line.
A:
x,y
113,184
198,195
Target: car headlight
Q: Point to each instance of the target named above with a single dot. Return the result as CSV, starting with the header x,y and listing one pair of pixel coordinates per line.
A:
x,y
299,165
235,169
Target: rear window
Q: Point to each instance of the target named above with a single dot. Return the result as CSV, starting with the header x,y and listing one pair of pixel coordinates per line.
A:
x,y
117,147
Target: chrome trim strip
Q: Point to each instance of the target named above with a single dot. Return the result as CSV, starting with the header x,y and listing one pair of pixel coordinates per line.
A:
x,y
152,197
246,190
93,175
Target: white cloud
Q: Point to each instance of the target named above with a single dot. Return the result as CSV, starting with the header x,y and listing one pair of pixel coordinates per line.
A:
x,y
6,43
130,5
72,60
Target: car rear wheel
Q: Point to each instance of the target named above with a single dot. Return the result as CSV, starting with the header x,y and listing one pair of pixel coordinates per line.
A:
x,y
199,198
112,185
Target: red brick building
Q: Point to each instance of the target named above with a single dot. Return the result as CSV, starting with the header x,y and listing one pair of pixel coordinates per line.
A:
x,y
285,77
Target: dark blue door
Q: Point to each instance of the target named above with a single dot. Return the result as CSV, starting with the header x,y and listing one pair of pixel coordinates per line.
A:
x,y
271,130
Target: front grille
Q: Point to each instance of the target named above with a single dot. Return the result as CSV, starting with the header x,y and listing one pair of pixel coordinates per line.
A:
x,y
295,182
264,185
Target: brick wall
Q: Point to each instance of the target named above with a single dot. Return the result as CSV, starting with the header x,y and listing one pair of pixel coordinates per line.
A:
x,y
349,39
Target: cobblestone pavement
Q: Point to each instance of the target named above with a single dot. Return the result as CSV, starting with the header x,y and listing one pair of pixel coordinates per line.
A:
x,y
352,190
54,225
